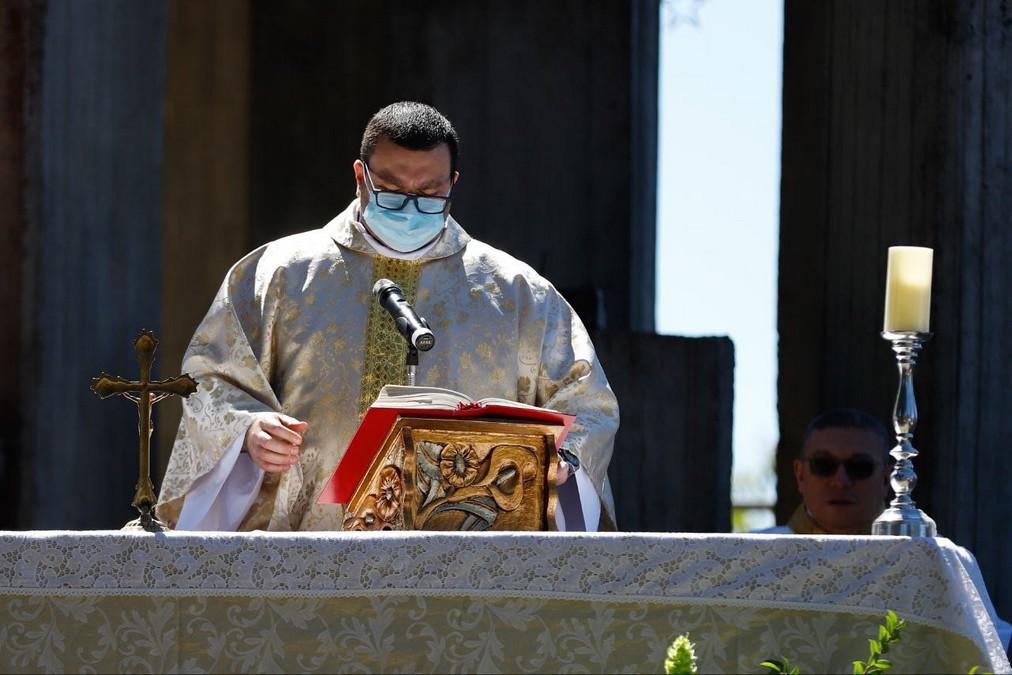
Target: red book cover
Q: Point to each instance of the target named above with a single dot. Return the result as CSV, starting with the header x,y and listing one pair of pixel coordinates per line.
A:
x,y
382,415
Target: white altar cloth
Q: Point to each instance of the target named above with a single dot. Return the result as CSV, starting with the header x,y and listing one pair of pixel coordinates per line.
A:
x,y
487,602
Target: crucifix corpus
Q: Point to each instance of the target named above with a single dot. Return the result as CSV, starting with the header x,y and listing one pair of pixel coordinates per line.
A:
x,y
145,393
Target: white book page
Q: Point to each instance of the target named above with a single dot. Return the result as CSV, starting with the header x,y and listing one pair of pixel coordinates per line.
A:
x,y
402,396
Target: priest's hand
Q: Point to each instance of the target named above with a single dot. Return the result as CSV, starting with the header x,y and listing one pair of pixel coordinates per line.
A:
x,y
563,470
567,466
273,442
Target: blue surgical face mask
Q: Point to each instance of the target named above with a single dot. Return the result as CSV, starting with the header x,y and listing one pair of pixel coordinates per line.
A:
x,y
405,230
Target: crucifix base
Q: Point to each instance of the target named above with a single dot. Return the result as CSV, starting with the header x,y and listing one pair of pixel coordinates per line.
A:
x,y
146,524
147,521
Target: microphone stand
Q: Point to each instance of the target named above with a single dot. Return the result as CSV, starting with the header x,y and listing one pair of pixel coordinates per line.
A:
x,y
412,358
412,362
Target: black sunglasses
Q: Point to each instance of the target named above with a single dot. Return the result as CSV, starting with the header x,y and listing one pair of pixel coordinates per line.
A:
x,y
858,468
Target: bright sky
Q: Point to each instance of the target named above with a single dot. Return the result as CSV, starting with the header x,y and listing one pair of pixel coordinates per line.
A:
x,y
718,203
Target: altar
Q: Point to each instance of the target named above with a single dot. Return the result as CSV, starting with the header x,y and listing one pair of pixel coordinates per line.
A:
x,y
489,602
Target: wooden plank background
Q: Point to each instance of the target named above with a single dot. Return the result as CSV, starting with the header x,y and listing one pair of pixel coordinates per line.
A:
x,y
93,268
671,470
19,31
205,176
896,131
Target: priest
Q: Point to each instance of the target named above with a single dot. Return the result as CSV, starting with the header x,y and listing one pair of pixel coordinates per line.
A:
x,y
294,349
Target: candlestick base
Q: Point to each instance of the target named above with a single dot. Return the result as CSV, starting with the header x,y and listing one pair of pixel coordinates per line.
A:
x,y
903,518
904,522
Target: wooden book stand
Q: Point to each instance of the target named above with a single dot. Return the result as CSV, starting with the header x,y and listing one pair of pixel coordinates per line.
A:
x,y
435,473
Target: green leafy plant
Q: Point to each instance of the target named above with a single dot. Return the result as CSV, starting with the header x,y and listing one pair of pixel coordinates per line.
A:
x,y
888,634
782,667
681,659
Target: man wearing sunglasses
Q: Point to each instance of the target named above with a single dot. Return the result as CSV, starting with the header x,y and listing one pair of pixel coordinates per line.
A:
x,y
842,473
294,348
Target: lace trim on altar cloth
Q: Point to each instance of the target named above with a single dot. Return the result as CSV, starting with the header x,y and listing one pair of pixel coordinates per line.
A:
x,y
923,580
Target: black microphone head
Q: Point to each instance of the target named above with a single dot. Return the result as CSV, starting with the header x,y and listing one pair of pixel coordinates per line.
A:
x,y
424,340
384,285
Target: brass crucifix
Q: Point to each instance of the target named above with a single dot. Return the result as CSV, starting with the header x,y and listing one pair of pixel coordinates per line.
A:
x,y
145,393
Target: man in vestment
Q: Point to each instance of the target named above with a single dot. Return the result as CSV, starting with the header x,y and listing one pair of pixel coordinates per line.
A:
x,y
294,348
842,472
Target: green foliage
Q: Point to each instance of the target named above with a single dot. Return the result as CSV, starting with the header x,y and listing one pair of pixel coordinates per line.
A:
x,y
681,657
781,667
888,634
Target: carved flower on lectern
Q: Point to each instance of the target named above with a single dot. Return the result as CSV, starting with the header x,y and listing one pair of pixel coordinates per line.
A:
x,y
388,498
459,464
368,516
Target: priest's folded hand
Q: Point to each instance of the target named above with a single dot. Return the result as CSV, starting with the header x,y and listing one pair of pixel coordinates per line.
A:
x,y
562,472
273,442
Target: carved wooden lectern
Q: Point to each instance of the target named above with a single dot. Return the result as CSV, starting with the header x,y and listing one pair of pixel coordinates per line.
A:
x,y
436,473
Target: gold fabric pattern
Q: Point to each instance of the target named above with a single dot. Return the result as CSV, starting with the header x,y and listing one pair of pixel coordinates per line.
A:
x,y
801,522
294,328
386,633
385,348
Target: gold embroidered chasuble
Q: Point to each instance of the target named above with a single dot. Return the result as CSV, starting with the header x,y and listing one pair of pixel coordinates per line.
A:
x,y
801,522
295,329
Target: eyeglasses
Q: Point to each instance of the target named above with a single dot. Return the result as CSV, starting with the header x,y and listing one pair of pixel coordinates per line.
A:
x,y
857,468
395,201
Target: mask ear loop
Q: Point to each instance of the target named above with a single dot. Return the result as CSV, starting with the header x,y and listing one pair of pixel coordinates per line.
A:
x,y
366,178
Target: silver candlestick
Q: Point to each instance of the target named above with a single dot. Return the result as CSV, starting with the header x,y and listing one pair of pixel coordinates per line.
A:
x,y
903,518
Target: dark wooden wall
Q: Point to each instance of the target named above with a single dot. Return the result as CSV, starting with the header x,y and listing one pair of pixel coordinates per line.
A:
x,y
897,131
19,37
671,470
87,226
205,176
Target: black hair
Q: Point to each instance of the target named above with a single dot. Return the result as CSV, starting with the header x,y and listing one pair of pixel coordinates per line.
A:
x,y
847,418
411,125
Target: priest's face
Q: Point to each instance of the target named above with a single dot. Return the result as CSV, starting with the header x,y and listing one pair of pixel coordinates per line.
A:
x,y
393,168
842,479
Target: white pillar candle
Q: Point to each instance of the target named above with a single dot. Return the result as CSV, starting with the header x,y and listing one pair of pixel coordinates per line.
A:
x,y
908,289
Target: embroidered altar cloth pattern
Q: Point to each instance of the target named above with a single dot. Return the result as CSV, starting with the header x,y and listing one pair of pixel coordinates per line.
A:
x,y
469,602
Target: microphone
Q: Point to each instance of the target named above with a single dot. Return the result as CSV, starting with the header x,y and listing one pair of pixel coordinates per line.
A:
x,y
414,328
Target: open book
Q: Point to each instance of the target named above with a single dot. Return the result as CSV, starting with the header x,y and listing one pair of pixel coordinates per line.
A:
x,y
395,401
